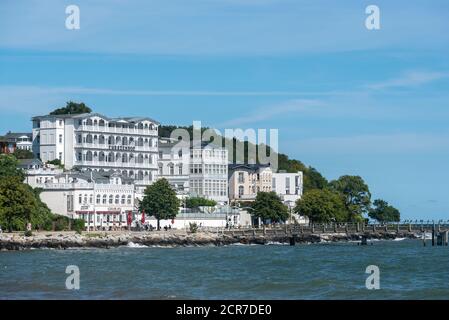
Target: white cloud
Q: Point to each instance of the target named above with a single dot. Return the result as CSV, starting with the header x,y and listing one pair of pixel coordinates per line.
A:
x,y
285,110
410,79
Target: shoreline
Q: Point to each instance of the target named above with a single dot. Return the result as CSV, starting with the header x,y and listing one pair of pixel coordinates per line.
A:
x,y
174,238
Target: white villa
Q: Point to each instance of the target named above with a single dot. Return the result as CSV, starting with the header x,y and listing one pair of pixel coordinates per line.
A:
x,y
95,142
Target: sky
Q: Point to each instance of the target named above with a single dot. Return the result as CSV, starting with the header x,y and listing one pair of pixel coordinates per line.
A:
x,y
345,99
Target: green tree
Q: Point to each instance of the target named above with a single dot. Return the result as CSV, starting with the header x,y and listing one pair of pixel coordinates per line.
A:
x,y
196,202
8,167
322,206
23,154
356,194
72,108
314,180
268,205
160,200
383,212
18,204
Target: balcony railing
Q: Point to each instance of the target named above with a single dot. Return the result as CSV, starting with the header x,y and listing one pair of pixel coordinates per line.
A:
x,y
107,129
120,164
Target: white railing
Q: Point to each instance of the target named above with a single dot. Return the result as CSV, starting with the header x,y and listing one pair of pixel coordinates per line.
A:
x,y
143,166
106,129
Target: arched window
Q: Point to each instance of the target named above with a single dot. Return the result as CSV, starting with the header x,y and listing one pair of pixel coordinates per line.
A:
x,y
117,199
140,158
95,122
101,123
104,199
118,140
101,158
91,199
111,140
89,156
89,138
118,156
171,168
140,125
125,158
140,175
123,199
140,142
125,141
85,199
128,201
146,126
111,199
180,169
89,122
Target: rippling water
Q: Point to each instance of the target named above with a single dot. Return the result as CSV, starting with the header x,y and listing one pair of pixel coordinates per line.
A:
x,y
319,271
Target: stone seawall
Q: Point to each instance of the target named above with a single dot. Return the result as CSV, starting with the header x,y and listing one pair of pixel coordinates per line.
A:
x,y
64,240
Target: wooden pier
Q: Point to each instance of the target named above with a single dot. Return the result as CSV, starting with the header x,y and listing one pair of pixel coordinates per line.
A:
x,y
439,231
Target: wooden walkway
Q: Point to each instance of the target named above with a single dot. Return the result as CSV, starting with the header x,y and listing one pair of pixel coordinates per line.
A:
x,y
348,228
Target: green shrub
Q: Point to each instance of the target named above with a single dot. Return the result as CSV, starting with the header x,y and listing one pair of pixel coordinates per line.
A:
x,y
193,227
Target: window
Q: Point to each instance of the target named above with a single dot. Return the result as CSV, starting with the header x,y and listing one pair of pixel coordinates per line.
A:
x,y
241,191
117,199
111,199
287,185
60,138
80,199
98,199
241,177
123,199
104,199
128,200
91,199
60,156
172,169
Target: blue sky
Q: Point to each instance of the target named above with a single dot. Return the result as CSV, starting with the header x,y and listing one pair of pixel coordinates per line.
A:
x,y
345,99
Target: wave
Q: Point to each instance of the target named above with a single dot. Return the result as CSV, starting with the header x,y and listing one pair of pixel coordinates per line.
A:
x,y
135,245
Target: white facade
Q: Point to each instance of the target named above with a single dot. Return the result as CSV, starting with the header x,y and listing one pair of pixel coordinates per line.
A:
x,y
205,220
208,172
103,203
174,165
92,141
289,186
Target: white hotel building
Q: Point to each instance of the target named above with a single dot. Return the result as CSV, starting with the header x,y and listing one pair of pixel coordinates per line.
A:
x,y
91,141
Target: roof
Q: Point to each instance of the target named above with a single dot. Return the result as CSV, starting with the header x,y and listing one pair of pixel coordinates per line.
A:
x,y
247,166
28,162
15,135
94,175
86,115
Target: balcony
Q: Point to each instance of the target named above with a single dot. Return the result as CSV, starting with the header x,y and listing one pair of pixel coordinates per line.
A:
x,y
106,129
115,147
122,165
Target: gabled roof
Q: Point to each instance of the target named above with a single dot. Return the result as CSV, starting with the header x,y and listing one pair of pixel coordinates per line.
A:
x,y
28,162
